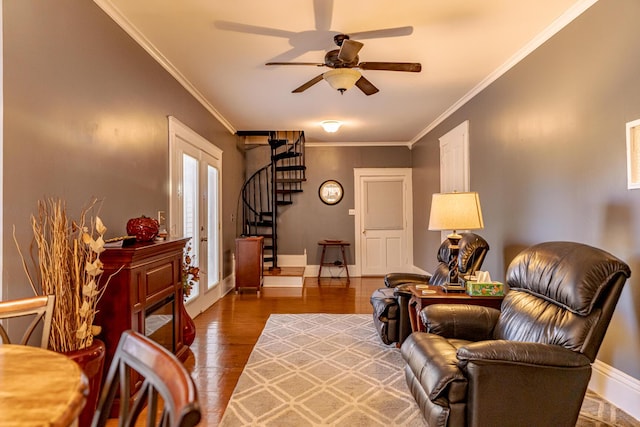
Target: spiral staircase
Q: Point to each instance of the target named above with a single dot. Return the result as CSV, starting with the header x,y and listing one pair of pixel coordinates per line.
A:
x,y
271,188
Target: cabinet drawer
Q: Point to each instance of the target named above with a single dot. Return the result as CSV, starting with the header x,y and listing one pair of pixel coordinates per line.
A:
x,y
160,279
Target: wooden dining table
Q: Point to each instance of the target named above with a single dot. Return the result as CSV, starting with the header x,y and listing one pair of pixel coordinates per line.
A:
x,y
39,387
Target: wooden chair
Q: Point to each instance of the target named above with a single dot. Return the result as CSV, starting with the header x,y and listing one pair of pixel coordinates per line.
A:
x,y
41,307
163,375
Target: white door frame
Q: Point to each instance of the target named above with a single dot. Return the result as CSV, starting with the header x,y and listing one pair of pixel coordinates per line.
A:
x,y
454,172
454,162
359,173
1,148
180,133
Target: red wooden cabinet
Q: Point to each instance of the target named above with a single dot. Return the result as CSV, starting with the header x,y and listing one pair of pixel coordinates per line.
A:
x,y
145,295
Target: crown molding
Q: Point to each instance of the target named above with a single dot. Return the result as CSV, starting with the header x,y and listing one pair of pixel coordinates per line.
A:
x,y
114,13
565,19
358,144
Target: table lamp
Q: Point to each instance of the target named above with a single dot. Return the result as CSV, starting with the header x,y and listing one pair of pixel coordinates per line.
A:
x,y
455,211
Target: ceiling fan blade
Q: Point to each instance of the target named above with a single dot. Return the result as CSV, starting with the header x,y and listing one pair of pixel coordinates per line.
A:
x,y
323,12
253,29
308,84
413,67
349,50
316,64
387,32
366,86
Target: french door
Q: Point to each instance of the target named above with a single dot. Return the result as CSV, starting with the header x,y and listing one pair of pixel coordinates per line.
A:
x,y
195,202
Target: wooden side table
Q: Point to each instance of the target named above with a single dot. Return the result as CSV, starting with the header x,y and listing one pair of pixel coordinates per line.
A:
x,y
419,300
333,243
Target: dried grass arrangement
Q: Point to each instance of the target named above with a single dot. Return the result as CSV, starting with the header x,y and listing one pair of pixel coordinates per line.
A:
x,y
68,266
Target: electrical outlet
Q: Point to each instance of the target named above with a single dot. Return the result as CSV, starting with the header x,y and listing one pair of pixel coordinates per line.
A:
x,y
162,218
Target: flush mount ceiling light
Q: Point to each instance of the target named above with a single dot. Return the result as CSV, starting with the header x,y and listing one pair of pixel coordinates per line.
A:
x,y
342,79
331,126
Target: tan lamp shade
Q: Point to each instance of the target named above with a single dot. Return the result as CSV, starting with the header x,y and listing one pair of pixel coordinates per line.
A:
x,y
455,211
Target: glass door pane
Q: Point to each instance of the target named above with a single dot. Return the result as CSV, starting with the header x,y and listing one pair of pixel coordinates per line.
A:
x,y
213,269
191,224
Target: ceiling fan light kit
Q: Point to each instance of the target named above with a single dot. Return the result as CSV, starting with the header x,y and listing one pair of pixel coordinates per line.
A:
x,y
342,79
331,126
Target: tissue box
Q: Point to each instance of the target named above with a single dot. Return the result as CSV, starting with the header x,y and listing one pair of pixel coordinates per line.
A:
x,y
485,288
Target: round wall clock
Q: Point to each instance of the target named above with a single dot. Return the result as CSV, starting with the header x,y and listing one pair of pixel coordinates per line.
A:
x,y
330,192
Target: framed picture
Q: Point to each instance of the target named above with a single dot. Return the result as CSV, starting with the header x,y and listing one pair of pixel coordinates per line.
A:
x,y
633,155
330,192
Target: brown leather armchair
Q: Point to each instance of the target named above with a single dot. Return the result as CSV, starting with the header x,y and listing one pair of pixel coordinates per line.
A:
x,y
390,304
528,363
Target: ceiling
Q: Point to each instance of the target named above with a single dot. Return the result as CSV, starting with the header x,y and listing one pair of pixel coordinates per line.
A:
x,y
218,49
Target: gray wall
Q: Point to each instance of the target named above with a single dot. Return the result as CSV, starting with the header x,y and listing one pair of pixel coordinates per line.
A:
x,y
309,220
547,143
86,115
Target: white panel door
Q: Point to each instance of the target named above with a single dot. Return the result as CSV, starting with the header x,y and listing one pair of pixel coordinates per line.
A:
x,y
384,240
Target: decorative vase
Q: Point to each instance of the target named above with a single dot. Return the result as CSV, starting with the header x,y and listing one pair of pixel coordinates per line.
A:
x,y
91,360
188,327
144,228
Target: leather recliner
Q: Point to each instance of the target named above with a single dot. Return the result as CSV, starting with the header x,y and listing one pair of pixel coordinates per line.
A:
x,y
390,304
528,363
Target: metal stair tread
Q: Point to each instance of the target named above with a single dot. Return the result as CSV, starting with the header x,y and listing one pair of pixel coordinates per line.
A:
x,y
261,223
285,155
289,191
276,143
290,168
290,180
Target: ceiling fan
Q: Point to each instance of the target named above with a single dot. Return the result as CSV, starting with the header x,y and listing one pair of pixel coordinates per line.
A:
x,y
344,62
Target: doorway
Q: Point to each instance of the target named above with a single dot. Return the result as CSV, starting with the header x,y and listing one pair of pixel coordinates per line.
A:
x,y
194,208
383,221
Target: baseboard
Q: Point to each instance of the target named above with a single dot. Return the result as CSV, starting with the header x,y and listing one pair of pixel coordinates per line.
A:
x,y
292,260
620,389
283,282
228,285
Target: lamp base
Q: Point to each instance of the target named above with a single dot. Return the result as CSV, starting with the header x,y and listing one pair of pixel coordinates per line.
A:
x,y
454,239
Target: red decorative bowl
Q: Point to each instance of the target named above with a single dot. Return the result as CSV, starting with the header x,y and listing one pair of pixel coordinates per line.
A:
x,y
144,228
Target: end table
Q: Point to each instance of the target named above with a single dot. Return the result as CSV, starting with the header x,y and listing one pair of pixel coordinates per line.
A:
x,y
437,295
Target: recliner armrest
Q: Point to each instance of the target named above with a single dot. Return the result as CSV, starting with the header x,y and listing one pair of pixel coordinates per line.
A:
x,y
529,353
392,280
402,290
433,361
461,321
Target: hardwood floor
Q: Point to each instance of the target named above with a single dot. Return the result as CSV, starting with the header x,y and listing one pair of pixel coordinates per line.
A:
x,y
227,332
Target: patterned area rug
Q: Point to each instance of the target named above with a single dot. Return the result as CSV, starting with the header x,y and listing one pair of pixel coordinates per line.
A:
x,y
333,370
